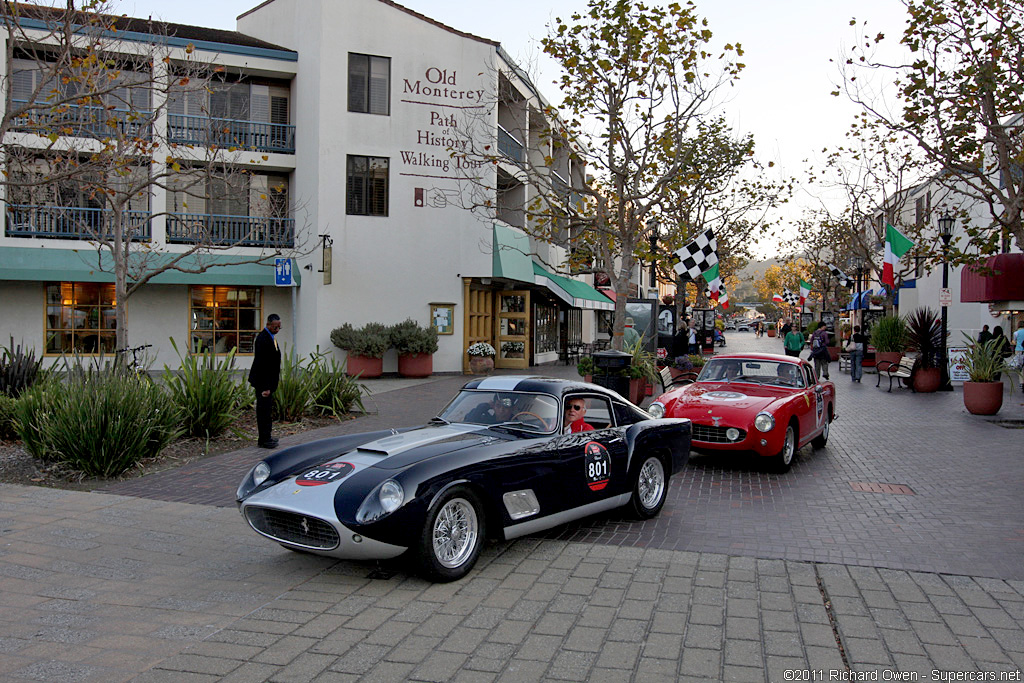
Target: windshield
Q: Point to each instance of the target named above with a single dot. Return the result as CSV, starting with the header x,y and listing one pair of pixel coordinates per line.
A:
x,y
530,412
778,373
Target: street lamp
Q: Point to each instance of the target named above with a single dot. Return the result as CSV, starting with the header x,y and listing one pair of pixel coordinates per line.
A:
x,y
655,227
858,267
946,225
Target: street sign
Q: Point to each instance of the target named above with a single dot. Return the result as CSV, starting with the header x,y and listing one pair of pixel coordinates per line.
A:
x,y
283,272
945,297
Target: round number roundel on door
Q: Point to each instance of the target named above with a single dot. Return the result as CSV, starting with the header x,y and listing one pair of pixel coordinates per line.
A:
x,y
598,465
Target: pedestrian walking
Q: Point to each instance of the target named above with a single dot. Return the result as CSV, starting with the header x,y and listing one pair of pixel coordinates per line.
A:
x,y
856,346
794,342
693,337
819,351
984,335
264,376
1018,351
1002,347
630,337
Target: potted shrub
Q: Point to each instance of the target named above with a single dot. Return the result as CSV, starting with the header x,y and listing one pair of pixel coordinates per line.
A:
x,y
889,337
586,367
924,332
481,358
365,347
642,372
983,394
416,346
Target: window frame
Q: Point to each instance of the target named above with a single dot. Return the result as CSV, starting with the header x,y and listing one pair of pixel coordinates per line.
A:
x,y
210,314
104,301
367,186
368,90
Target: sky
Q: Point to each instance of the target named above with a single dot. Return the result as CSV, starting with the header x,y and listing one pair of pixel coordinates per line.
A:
x,y
783,95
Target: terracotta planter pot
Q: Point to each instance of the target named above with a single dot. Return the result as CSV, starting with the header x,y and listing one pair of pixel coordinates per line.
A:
x,y
771,332
893,356
983,398
926,380
416,364
364,366
481,365
636,390
833,353
588,379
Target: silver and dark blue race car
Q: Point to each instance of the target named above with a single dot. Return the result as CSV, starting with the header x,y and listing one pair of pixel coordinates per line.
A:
x,y
508,456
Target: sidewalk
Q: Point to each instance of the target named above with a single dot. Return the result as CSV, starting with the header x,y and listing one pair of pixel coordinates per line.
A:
x,y
746,575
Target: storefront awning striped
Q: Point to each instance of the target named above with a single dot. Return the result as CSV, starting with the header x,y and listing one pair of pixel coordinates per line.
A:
x,y
573,292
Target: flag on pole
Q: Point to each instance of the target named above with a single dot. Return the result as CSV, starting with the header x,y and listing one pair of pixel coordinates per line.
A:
x,y
698,256
844,279
723,297
805,289
789,297
777,298
896,245
714,280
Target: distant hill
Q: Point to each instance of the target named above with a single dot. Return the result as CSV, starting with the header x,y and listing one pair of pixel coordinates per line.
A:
x,y
753,271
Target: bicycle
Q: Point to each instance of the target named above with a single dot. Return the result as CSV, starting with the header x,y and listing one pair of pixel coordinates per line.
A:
x,y
136,365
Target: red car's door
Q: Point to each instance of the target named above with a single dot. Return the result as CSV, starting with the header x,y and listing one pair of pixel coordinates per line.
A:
x,y
809,405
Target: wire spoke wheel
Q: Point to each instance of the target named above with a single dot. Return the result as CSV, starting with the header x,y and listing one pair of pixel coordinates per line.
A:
x,y
455,533
651,484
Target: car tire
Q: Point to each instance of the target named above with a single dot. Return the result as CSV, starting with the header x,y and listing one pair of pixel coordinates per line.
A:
x,y
784,458
819,441
452,536
650,487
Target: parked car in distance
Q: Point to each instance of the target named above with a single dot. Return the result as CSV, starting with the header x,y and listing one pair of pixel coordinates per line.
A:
x,y
768,404
743,327
494,463
730,325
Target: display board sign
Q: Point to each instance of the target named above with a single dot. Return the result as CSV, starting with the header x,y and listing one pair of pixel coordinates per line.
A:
x,y
957,367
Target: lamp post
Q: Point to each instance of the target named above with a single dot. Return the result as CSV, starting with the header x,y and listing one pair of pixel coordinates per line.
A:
x,y
946,225
858,265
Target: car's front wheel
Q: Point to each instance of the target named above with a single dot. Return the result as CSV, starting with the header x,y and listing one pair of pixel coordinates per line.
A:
x,y
650,488
784,458
452,536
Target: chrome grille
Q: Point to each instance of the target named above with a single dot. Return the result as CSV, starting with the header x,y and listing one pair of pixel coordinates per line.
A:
x,y
293,528
709,434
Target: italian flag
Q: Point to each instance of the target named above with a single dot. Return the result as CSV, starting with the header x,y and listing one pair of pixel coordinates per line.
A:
x,y
805,290
896,245
777,298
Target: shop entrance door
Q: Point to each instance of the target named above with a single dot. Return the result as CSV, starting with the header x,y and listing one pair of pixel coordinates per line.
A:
x,y
513,329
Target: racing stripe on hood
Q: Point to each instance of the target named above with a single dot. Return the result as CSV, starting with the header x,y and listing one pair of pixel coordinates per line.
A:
x,y
400,443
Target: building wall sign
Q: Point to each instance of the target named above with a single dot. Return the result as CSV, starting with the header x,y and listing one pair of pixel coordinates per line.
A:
x,y
445,108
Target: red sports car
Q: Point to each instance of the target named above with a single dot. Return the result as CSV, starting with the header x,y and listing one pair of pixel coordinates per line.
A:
x,y
765,403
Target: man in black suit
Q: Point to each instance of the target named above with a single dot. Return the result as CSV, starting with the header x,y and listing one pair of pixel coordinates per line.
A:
x,y
264,375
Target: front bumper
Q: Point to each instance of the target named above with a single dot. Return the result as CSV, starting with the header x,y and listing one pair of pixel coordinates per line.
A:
x,y
708,437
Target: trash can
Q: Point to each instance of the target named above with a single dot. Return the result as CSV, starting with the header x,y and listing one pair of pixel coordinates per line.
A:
x,y
607,367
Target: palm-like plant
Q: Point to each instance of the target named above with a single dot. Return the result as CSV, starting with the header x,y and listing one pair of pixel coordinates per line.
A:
x,y
984,362
924,331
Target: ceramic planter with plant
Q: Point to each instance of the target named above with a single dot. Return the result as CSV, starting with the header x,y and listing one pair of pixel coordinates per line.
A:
x,y
416,346
481,358
365,346
889,337
924,333
513,349
983,393
643,372
586,368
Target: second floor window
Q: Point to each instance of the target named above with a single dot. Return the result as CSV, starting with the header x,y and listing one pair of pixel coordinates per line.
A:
x,y
369,84
367,186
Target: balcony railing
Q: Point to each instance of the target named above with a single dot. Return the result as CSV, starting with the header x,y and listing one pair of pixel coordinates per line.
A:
x,y
83,121
509,146
255,136
72,222
243,231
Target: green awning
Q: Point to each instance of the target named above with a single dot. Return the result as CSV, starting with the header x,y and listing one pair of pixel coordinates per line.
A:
x,y
573,292
54,264
511,254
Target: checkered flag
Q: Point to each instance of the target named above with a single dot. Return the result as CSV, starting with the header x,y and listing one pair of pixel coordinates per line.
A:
x,y
843,278
698,256
791,298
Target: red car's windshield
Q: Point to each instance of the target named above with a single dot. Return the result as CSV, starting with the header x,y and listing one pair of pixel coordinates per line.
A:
x,y
750,370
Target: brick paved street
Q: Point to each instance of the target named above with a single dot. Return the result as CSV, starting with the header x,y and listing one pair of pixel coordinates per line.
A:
x,y
745,576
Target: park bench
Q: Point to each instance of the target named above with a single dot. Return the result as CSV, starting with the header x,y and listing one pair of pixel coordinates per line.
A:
x,y
896,371
668,381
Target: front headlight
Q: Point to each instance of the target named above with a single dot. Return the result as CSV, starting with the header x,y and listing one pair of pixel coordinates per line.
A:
x,y
764,422
381,502
657,410
260,473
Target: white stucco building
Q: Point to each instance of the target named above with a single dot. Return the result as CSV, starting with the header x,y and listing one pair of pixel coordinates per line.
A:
x,y
346,114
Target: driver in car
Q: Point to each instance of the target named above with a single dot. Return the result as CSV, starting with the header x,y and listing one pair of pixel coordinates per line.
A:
x,y
788,374
496,411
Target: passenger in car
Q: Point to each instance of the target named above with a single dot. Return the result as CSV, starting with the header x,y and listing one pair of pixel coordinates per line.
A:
x,y
575,410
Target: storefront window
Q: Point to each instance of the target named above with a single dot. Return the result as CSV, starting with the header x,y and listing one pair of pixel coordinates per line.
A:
x,y
80,318
545,338
223,318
